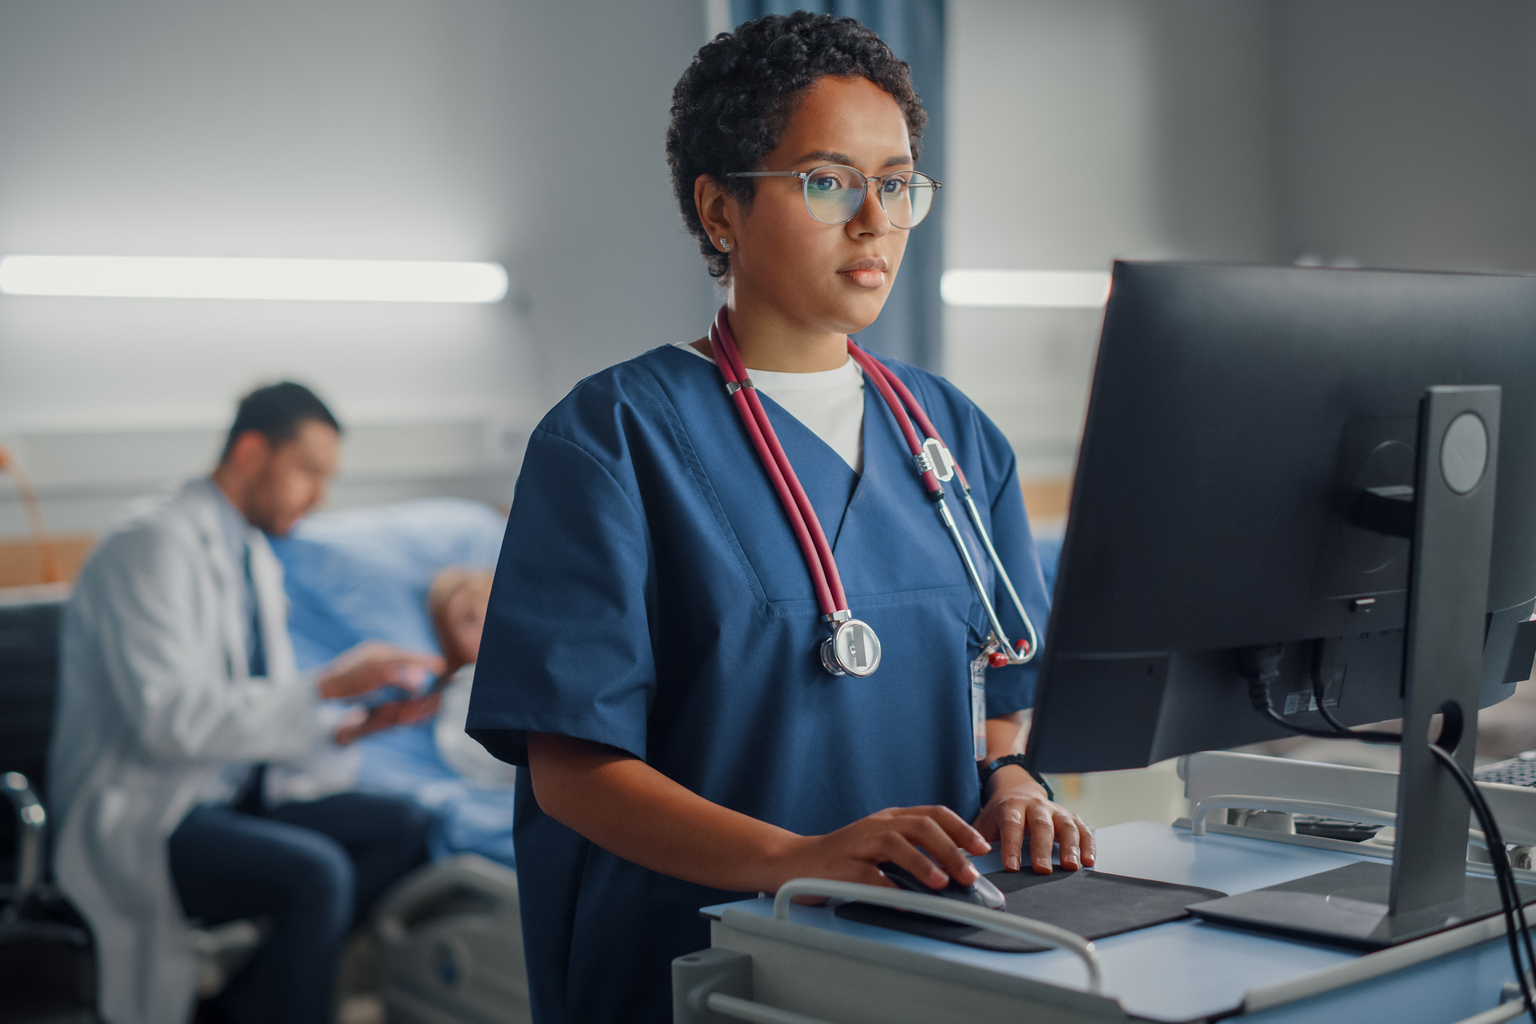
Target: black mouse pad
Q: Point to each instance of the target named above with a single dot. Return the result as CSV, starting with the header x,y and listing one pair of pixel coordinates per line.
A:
x,y
1091,903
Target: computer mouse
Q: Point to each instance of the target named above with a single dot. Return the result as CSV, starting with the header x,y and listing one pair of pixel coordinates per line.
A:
x,y
981,893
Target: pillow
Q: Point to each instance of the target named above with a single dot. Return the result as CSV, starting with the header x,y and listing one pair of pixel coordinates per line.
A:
x,y
362,573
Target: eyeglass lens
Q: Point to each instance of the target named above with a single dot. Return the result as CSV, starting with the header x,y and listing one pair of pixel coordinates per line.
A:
x,y
834,195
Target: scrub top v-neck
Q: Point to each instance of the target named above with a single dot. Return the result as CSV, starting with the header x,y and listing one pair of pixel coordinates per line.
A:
x,y
829,402
651,597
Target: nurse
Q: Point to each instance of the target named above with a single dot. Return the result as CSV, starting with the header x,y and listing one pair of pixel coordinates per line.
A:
x,y
651,648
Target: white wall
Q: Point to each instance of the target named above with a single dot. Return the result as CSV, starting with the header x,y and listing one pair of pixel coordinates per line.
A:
x,y
1409,132
1391,133
526,133
1081,131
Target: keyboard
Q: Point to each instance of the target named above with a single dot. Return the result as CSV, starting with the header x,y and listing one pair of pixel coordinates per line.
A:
x,y
1517,771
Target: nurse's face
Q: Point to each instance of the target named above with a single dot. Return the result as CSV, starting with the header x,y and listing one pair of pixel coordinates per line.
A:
x,y
289,480
827,278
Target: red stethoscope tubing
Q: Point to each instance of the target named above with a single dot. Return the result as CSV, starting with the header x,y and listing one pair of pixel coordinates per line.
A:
x,y
886,383
802,516
797,506
909,400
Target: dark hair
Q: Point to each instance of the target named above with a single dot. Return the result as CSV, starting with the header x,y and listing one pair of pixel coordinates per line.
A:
x,y
277,411
730,106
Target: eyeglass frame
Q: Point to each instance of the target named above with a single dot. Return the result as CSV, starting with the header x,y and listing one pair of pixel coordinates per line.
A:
x,y
805,187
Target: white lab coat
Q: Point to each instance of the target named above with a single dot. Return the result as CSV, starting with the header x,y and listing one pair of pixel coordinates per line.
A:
x,y
155,704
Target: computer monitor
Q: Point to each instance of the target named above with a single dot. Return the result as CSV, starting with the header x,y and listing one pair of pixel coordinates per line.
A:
x,y
1247,482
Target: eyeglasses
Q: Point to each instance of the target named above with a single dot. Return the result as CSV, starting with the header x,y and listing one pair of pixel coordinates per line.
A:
x,y
835,193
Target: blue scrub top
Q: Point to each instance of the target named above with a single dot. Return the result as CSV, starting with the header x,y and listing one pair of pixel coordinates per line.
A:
x,y
651,596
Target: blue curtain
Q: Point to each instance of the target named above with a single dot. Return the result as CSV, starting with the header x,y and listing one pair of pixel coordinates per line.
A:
x,y
911,326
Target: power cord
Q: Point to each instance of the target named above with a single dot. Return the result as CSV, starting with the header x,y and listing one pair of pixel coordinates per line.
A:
x,y
1264,664
1264,669
1504,876
1340,730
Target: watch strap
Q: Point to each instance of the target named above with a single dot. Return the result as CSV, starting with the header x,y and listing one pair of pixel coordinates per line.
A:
x,y
986,771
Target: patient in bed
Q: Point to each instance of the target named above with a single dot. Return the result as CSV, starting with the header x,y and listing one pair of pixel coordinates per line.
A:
x,y
378,572
456,601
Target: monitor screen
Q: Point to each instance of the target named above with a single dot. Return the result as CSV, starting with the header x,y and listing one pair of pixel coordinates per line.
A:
x,y
1250,435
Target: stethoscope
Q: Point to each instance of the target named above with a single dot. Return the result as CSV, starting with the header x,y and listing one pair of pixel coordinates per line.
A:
x,y
853,648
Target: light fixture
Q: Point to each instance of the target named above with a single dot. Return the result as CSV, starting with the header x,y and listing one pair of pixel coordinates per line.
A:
x,y
192,277
1040,289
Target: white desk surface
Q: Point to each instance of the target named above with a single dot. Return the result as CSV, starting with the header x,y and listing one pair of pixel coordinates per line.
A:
x,y
1184,970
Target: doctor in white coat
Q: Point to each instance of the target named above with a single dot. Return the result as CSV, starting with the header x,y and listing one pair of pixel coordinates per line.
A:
x,y
177,680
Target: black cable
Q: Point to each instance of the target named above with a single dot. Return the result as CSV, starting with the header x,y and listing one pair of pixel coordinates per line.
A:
x,y
1504,876
1342,731
1300,730
1266,669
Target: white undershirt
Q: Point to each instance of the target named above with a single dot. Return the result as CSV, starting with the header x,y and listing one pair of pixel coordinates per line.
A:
x,y
829,402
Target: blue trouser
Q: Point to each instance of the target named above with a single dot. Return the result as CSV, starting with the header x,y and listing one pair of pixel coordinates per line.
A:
x,y
314,870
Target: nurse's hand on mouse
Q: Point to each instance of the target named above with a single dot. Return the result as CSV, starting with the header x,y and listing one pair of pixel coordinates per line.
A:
x,y
851,853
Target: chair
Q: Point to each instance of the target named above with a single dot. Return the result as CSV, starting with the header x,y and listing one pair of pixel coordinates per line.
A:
x,y
47,964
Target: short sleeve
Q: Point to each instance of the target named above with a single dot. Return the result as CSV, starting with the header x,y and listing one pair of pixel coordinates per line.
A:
x,y
567,643
1011,688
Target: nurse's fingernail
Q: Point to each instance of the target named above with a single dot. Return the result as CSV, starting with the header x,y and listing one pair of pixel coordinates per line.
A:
x,y
969,875
1013,863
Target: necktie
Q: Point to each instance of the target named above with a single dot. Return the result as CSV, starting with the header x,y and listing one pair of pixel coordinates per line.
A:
x,y
249,798
258,660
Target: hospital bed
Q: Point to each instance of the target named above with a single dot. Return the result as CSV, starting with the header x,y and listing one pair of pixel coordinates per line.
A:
x,y
771,960
451,948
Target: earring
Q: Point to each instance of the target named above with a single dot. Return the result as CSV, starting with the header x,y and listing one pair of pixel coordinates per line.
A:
x,y
725,244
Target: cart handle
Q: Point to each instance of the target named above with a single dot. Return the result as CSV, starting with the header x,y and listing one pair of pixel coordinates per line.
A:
x,y
949,910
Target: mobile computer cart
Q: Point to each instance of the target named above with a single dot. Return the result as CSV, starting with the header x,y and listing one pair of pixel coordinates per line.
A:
x,y
774,961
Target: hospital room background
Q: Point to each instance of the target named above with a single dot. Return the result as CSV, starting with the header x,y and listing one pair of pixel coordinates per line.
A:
x,y
527,136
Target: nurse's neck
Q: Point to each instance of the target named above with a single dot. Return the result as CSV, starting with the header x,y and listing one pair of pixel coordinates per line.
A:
x,y
769,340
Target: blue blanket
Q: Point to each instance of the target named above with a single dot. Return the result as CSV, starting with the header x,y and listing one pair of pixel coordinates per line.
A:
x,y
362,574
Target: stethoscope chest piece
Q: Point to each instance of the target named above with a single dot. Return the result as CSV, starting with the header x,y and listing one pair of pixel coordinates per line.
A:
x,y
853,649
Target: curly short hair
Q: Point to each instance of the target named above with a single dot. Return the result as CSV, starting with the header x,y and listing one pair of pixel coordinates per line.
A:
x,y
730,106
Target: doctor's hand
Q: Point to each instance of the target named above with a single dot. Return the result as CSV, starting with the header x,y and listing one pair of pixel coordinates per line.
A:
x,y
360,723
851,853
372,665
1017,806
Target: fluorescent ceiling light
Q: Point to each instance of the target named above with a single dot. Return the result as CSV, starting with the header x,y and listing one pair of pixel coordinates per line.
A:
x,y
1040,289
179,277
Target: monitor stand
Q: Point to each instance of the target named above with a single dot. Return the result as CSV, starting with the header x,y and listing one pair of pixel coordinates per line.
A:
x,y
1426,888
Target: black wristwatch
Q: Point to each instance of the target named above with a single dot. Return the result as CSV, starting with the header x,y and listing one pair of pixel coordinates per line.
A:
x,y
985,772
